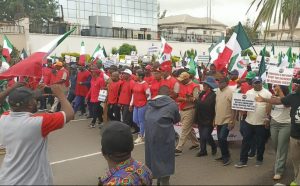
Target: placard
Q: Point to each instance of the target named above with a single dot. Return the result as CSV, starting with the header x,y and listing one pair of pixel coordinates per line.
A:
x,y
102,95
280,76
243,102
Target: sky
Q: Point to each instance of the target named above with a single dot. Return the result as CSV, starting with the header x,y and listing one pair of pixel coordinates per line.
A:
x,y
229,12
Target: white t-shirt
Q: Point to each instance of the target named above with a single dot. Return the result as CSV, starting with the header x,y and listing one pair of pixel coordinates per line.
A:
x,y
258,116
281,114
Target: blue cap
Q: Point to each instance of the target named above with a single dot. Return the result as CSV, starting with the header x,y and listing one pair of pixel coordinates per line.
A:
x,y
211,81
256,79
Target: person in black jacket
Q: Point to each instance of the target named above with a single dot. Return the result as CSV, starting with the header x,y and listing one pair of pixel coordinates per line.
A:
x,y
205,114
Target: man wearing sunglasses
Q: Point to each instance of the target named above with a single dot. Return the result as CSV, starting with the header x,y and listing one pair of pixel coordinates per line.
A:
x,y
292,100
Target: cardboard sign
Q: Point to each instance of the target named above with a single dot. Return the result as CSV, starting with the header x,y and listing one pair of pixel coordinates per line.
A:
x,y
102,95
153,50
108,63
243,102
280,76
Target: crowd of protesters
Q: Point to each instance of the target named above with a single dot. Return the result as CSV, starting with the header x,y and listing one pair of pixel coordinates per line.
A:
x,y
148,100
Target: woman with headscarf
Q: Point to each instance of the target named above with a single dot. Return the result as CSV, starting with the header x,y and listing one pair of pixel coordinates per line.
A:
x,y
205,114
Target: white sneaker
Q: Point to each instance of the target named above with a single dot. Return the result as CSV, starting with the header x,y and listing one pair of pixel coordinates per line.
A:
x,y
138,140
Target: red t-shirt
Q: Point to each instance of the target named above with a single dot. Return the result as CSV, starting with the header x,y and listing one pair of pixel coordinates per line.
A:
x,y
169,83
96,84
139,94
245,87
149,79
154,87
82,76
61,74
113,92
47,72
126,92
134,77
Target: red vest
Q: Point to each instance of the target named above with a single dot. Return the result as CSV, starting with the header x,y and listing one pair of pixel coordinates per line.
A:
x,y
59,75
186,90
82,76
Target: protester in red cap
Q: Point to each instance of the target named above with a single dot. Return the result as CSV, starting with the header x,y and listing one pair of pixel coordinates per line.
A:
x,y
97,83
148,74
168,80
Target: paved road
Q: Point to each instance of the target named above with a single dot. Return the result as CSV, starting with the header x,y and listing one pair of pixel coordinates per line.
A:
x,y
74,153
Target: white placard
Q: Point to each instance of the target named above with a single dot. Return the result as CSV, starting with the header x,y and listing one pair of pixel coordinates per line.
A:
x,y
280,76
243,102
102,95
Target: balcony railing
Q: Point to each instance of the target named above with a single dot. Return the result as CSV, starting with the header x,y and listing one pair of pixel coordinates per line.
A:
x,y
12,29
96,31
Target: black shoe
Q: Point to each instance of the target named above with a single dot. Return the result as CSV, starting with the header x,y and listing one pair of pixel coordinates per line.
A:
x,y
214,151
135,132
178,152
226,161
199,154
219,159
194,147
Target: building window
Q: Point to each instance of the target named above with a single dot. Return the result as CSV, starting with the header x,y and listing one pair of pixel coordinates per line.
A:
x,y
204,32
273,34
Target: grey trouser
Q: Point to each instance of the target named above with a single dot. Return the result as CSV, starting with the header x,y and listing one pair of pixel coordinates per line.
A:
x,y
280,135
295,154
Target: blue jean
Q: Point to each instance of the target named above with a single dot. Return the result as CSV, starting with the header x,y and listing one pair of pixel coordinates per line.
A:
x,y
139,118
222,131
78,103
250,132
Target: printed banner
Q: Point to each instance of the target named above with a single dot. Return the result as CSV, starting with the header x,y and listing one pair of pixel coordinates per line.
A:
x,y
280,76
243,102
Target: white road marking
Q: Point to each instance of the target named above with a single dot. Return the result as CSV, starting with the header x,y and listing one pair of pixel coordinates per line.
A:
x,y
84,156
79,120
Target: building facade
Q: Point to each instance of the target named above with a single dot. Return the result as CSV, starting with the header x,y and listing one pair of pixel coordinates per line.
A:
x,y
127,14
192,29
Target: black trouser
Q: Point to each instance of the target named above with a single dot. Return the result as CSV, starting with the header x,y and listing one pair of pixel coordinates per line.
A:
x,y
223,131
128,117
251,131
114,112
206,137
97,112
43,101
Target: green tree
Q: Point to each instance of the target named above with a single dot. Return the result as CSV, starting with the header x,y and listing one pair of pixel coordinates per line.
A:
x,y
249,29
126,49
38,11
114,50
247,52
281,12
